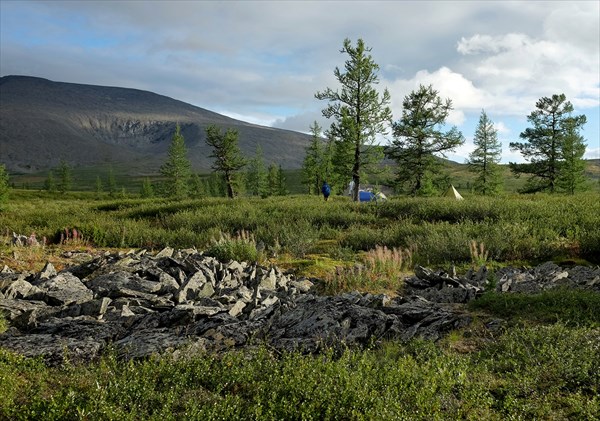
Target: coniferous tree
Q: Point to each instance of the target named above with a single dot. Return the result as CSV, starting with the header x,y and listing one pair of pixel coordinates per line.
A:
x,y
571,178
50,182
543,146
360,113
281,182
99,188
256,177
272,186
65,177
312,175
112,183
419,139
177,169
216,185
485,158
197,186
147,189
228,157
4,186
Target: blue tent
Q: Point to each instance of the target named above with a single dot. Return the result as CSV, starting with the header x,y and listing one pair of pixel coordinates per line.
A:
x,y
365,196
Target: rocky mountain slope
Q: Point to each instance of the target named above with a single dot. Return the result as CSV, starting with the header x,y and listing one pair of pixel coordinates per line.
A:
x,y
42,122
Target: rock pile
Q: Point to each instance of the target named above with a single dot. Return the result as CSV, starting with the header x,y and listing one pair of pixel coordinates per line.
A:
x,y
443,287
140,304
181,300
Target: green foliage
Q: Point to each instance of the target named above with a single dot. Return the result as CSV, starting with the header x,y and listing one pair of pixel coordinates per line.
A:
x,y
241,247
547,372
228,157
381,271
418,138
3,323
256,175
276,181
543,143
359,114
198,186
177,169
571,178
568,306
318,161
439,230
147,189
4,186
64,177
485,158
50,182
99,187
111,182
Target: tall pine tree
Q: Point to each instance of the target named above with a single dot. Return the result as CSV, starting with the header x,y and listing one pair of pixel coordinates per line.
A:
x,y
360,113
485,158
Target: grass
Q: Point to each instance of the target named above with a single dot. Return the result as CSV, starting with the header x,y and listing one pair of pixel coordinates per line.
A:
x,y
438,231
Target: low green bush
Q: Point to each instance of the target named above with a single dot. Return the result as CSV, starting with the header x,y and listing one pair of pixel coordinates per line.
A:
x,y
568,306
544,372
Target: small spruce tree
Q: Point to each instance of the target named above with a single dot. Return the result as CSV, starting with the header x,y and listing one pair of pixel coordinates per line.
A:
x,y
4,186
50,182
256,176
147,189
99,187
177,169
485,158
65,177
112,183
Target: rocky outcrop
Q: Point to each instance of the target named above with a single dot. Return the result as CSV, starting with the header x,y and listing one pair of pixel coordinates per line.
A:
x,y
140,304
181,300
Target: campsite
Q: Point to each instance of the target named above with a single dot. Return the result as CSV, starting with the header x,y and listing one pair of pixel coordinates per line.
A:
x,y
292,210
522,355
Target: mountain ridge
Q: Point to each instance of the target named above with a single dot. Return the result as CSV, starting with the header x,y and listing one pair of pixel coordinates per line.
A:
x,y
43,121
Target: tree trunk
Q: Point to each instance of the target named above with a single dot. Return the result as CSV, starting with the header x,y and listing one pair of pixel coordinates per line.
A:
x,y
230,192
356,173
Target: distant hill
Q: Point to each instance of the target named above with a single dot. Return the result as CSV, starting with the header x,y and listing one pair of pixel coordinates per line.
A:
x,y
42,122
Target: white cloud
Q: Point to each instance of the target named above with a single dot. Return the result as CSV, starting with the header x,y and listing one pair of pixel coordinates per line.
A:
x,y
502,128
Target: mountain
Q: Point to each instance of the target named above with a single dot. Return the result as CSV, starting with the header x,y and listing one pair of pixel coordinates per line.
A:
x,y
42,122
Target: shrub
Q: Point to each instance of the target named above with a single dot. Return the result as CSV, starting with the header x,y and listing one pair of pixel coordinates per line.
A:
x,y
241,247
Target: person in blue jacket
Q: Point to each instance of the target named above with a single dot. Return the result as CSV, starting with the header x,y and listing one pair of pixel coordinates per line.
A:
x,y
326,190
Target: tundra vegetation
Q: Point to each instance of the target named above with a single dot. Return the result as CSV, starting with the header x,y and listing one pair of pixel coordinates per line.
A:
x,y
543,364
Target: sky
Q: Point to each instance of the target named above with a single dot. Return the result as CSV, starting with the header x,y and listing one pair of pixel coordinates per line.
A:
x,y
263,61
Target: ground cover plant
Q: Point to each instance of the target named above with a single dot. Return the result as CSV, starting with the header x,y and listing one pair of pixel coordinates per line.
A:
x,y
539,372
541,362
438,231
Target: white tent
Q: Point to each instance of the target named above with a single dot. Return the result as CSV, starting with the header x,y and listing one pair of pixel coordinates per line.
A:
x,y
451,192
